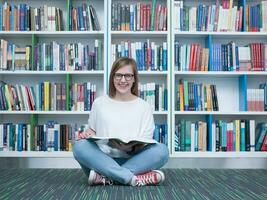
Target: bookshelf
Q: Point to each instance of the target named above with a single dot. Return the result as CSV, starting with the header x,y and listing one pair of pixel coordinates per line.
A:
x,y
230,84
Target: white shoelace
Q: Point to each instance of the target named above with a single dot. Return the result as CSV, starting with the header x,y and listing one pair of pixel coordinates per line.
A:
x,y
145,180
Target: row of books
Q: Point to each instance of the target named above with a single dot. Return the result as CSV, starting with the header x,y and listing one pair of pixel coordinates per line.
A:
x,y
231,57
46,96
224,57
237,135
215,17
190,136
47,137
191,96
51,57
155,94
190,57
257,98
256,17
161,133
13,57
68,57
51,136
138,17
83,18
23,17
148,55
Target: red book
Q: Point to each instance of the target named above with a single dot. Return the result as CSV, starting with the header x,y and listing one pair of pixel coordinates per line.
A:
x,y
191,57
264,144
228,146
165,19
142,17
148,11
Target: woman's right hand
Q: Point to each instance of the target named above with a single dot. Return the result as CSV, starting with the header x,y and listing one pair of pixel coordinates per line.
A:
x,y
86,134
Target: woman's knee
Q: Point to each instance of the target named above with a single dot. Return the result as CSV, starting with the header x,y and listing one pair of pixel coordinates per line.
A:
x,y
162,152
81,146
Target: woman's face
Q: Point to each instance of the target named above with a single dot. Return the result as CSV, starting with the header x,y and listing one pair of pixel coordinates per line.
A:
x,y
124,79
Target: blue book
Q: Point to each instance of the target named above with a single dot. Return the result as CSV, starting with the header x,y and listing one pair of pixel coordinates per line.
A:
x,y
224,134
20,137
142,62
56,140
242,136
132,12
156,132
165,57
152,59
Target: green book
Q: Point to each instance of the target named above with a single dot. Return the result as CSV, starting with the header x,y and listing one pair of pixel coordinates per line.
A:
x,y
153,9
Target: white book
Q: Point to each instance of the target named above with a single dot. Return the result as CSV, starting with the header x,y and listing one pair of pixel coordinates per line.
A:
x,y
49,22
252,134
113,53
234,16
153,97
138,20
45,22
176,15
53,15
133,50
125,140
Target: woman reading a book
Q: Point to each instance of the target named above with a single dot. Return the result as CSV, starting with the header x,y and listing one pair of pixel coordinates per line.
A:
x,y
130,156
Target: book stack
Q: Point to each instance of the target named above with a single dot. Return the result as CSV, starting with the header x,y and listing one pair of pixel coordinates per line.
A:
x,y
222,16
68,57
138,17
230,57
47,137
256,17
13,57
83,18
161,133
239,135
148,55
46,96
190,57
23,17
193,96
190,136
82,96
154,94
257,98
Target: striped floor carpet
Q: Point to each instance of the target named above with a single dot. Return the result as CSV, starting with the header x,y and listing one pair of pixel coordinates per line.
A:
x,y
180,184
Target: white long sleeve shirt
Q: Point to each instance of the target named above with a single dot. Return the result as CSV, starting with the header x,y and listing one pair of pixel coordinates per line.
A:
x,y
120,119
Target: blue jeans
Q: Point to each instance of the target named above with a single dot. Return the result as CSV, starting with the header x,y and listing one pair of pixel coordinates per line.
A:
x,y
89,156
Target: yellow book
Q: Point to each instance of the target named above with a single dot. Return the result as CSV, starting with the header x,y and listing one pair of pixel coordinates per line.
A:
x,y
8,97
237,131
181,89
46,95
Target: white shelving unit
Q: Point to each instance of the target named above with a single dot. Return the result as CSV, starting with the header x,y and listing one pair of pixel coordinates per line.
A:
x,y
227,82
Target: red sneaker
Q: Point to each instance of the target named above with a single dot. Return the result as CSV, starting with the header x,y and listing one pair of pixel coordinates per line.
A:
x,y
97,179
153,177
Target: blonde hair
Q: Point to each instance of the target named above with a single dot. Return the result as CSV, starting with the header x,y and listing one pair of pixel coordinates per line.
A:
x,y
118,64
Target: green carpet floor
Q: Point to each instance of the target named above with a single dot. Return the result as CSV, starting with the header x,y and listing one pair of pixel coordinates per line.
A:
x,y
180,184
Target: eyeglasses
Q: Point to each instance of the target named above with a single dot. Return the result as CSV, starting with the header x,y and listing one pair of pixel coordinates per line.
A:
x,y
127,77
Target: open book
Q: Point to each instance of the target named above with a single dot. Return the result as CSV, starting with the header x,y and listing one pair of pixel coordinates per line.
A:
x,y
125,140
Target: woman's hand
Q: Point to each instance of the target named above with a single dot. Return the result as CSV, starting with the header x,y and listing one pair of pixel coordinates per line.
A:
x,y
86,134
